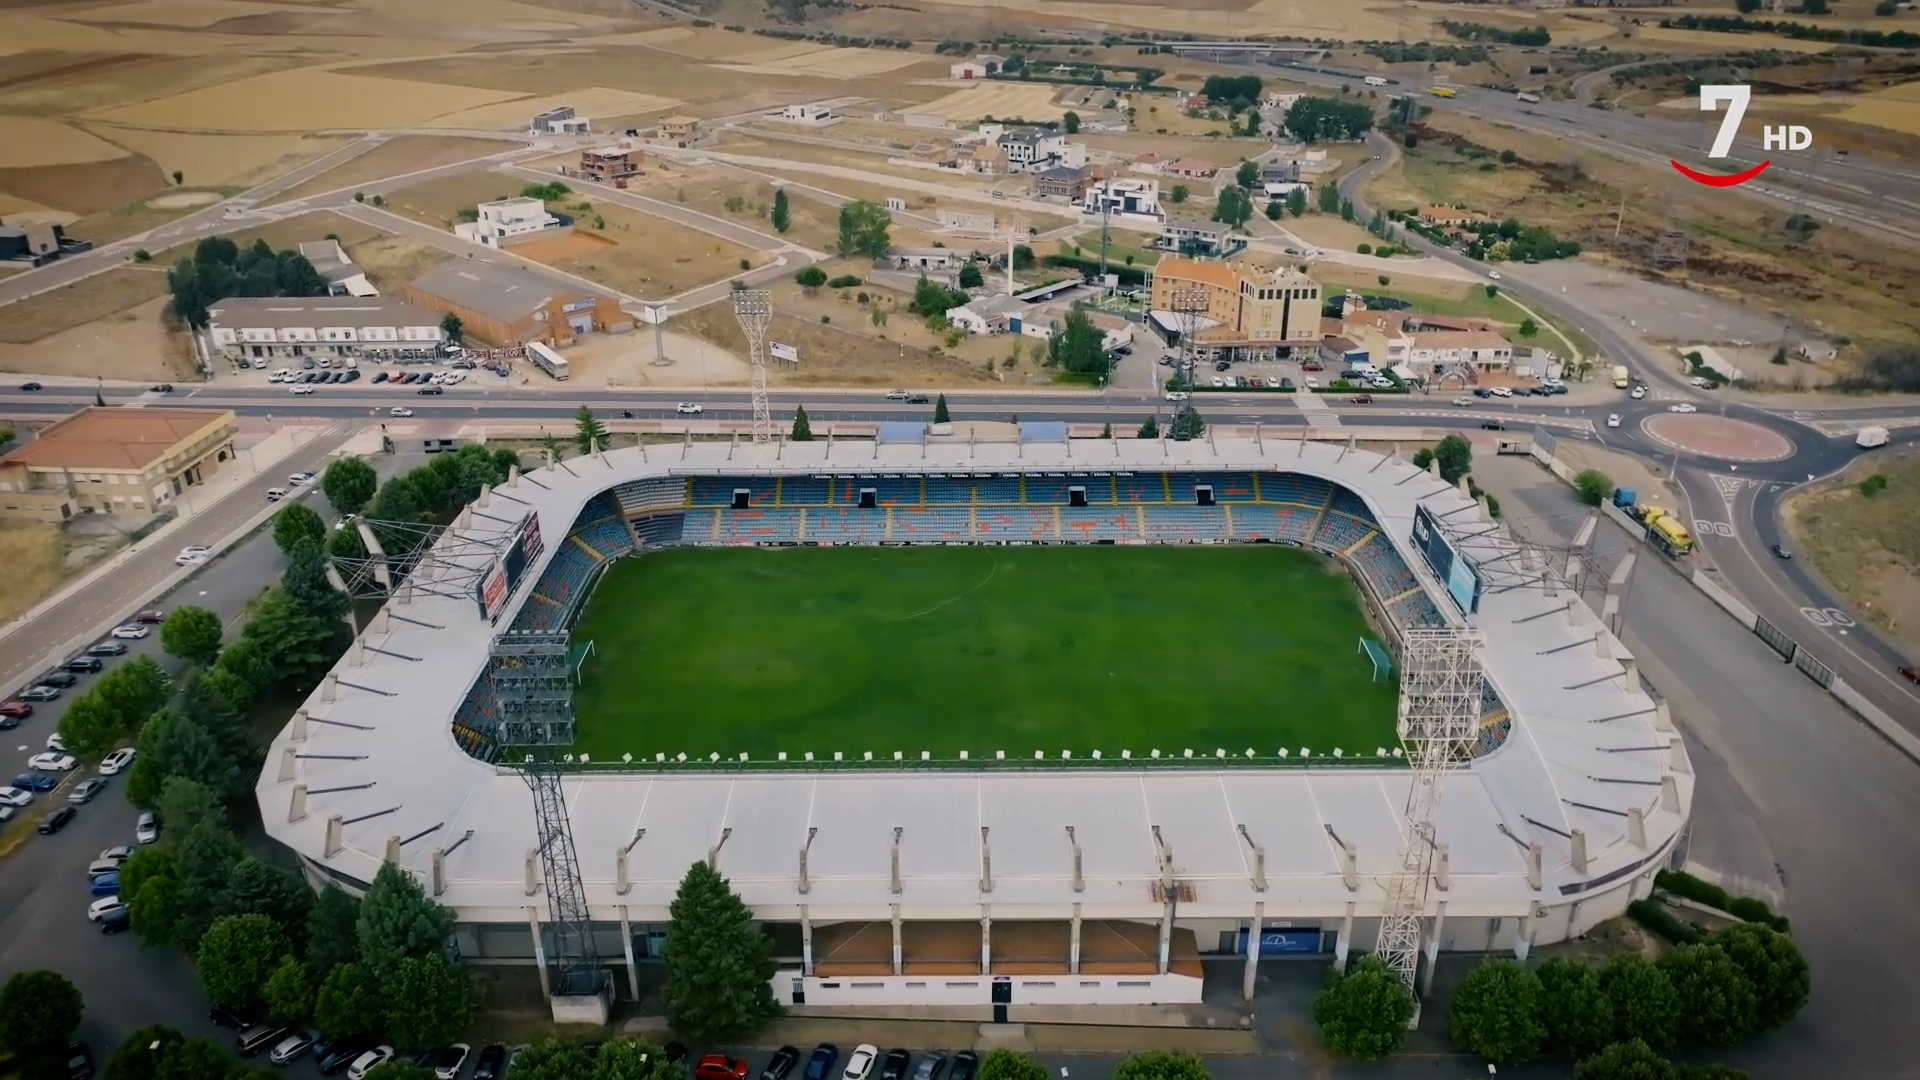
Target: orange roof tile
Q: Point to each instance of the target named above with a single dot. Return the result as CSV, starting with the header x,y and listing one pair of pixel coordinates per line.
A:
x,y
111,438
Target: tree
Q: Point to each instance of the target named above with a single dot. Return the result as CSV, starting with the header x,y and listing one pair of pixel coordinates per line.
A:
x,y
1329,199
348,1004
810,277
399,920
1496,1013
1773,965
398,1069
718,964
174,745
1455,455
970,276
863,229
333,936
1022,257
297,645
1631,1060
134,690
220,683
1578,1016
1149,429
552,1059
237,956
192,633
38,1010
940,413
296,522
90,727
207,854
349,484
1346,209
305,583
1275,210
1070,123
1233,208
1322,119
1717,1005
625,1059
154,911
288,993
802,427
781,217
195,1059
255,888
1178,194
453,329
1364,1013
1005,1064
1162,1065
588,432
1079,347
1247,175
186,805
1187,424
428,1002
138,1057
1593,485
145,864
1643,1001
1297,202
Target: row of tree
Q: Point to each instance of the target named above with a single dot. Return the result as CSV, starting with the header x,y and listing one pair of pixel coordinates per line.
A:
x,y
219,268
429,494
1323,119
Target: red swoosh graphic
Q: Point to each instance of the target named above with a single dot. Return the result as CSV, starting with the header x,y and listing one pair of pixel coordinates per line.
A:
x,y
1711,180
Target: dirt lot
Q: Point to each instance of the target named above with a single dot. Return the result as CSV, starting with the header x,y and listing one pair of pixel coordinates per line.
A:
x,y
439,202
645,256
742,198
396,157
85,301
32,556
392,261
1867,548
114,342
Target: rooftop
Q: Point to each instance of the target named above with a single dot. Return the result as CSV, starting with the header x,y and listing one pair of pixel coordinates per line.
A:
x,y
112,438
275,312
1218,274
504,292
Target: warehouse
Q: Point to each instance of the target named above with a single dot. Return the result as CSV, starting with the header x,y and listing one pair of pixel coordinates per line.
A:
x,y
507,305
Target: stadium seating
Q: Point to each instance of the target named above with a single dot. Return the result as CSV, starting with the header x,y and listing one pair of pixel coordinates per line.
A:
x,y
1285,524
1050,490
1111,523
957,490
996,490
1416,610
656,493
1183,524
1382,566
932,524
1338,532
660,530
853,525
771,526
1143,488
718,490
887,491
803,491
608,537
1227,487
1295,489
1015,523
1346,502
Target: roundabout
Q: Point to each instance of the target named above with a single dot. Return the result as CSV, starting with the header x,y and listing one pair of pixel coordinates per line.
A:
x,y
1719,437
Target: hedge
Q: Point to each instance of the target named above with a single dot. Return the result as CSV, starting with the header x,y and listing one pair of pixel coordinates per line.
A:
x,y
1655,917
1685,885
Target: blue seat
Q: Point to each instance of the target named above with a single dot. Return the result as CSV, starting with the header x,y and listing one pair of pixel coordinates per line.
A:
x,y
850,525
932,524
1283,524
1015,523
1086,524
803,491
1182,524
1294,488
1049,490
769,526
653,493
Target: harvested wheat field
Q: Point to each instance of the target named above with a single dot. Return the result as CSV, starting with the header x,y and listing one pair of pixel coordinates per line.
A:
x,y
132,344
85,301
1022,101
648,257
499,14
307,99
32,141
86,188
32,556
398,156
183,14
221,160
825,63
592,102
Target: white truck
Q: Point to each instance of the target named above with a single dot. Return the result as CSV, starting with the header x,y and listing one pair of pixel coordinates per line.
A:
x,y
1870,437
1531,99
1376,80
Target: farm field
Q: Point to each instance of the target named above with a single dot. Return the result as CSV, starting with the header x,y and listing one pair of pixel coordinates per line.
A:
x,y
976,649
639,254
397,156
1001,100
88,300
221,160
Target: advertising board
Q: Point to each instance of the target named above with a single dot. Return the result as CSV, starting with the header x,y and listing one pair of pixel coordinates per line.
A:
x,y
1461,580
493,591
503,577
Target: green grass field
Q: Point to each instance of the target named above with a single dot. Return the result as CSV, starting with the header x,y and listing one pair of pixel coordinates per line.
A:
x,y
945,649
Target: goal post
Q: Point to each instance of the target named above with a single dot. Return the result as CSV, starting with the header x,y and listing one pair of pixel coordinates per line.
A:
x,y
1381,659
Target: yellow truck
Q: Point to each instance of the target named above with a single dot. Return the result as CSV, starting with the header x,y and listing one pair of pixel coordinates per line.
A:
x,y
1441,91
1621,379
1665,530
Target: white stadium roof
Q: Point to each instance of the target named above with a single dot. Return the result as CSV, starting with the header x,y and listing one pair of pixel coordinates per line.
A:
x,y
371,762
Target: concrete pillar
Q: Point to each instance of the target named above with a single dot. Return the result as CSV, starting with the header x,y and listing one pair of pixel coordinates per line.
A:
x,y
806,942
1343,941
1433,949
1523,941
1166,937
1073,944
626,945
1253,950
539,950
896,940
986,944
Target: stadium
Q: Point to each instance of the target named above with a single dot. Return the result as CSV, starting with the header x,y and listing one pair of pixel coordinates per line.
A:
x,y
984,799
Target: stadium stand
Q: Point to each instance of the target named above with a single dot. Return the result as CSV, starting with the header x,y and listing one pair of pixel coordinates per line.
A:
x,y
1227,487
1049,490
1089,525
608,537
1416,610
1294,489
1185,524
803,491
1346,502
1015,523
1338,532
1143,488
846,526
933,524
1284,524
654,493
759,526
1382,566
660,530
718,490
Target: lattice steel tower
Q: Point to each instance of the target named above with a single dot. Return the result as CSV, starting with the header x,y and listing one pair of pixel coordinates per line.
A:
x,y
754,309
1440,701
531,685
575,958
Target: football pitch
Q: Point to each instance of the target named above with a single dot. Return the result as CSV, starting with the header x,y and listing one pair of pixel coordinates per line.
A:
x,y
981,649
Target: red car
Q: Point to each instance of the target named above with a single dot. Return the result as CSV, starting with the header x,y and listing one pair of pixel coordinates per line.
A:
x,y
1912,674
151,615
19,710
720,1067
1363,399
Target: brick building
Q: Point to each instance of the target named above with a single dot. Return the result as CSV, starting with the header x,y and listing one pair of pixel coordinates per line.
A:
x,y
113,461
508,305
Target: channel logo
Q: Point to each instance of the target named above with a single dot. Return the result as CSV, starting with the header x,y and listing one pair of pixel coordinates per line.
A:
x,y
1788,137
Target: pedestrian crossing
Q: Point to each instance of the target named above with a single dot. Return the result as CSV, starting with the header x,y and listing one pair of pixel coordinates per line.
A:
x,y
1314,408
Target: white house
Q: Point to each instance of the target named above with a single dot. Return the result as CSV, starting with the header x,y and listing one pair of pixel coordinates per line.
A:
x,y
507,221
1440,351
807,113
1124,198
1000,314
925,258
1035,151
967,69
559,121
331,260
1280,189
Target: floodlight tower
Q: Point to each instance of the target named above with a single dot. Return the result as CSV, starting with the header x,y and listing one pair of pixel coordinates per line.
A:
x,y
1440,700
754,309
575,955
1012,232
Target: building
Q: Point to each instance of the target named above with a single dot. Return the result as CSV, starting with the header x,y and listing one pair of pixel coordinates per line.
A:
x,y
1190,169
1233,314
981,158
289,327
808,113
931,153
37,242
331,260
1279,168
610,164
1444,216
1341,352
1437,353
113,461
1129,200
1060,182
1149,163
1281,189
508,305
509,221
919,258
1032,151
678,131
1000,314
968,69
559,121
1193,236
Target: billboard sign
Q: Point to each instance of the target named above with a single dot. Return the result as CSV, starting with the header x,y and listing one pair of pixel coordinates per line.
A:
x,y
503,577
577,305
493,591
1461,580
783,352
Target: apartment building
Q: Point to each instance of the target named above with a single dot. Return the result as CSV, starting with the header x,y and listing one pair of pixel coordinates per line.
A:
x,y
113,461
1232,313
610,164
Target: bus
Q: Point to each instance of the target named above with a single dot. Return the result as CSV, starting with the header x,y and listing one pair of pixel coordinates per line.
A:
x,y
1621,380
547,360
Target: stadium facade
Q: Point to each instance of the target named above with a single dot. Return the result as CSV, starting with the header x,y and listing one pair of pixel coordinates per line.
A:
x,y
888,880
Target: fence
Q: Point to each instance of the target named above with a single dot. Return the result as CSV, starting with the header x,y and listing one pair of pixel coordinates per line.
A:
x,y
1775,638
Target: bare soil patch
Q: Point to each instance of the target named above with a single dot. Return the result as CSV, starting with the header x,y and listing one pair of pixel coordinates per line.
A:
x,y
392,261
438,202
86,189
132,343
124,221
726,193
85,301
1866,547
576,244
32,554
645,256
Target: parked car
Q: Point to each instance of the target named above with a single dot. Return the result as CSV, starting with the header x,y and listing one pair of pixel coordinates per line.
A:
x,y
62,679
132,631
13,796
368,1062
85,790
930,1065
18,710
58,820
36,781
778,1066
55,742
252,1041
820,1062
117,921
227,1018
379,377
117,854
720,1067
83,665
292,1047
147,829
155,615
895,1065
52,762
117,760
40,693
104,884
966,1065
102,866
79,1062
860,1064
107,648
491,1062
340,1057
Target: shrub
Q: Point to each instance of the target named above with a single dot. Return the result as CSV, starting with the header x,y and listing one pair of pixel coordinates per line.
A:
x,y
1873,485
1594,486
1773,965
844,281
1655,916
1364,1013
1644,1004
1717,1005
1579,1018
1631,1060
1365,249
1496,1013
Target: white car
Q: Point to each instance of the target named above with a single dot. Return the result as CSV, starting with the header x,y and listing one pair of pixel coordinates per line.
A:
x,y
1463,402
1683,407
116,855
861,1063
1613,419
103,907
368,1062
132,631
192,556
1500,391
299,478
1218,381
147,829
1178,395
117,761
302,389
13,796
52,762
454,378
1638,393
436,378
896,395
1313,381
276,494
399,410
689,408
1494,274
55,742
447,1066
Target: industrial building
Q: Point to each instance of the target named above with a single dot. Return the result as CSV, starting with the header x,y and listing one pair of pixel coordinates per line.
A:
x,y
289,327
509,305
113,461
